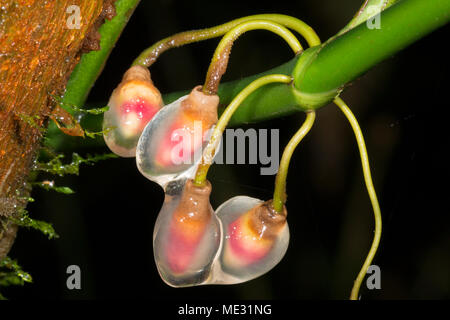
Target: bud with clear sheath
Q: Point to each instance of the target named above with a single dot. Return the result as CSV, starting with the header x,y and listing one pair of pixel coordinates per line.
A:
x,y
171,145
132,105
187,235
254,239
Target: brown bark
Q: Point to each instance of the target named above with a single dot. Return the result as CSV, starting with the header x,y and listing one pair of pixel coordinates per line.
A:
x,y
37,54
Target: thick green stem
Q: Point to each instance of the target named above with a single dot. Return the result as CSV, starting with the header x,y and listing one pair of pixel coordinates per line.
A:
x,y
340,60
345,58
322,72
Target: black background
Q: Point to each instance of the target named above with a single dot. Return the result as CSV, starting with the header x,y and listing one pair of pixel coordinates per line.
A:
x,y
106,227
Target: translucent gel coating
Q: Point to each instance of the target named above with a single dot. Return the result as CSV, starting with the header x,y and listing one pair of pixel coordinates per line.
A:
x,y
131,106
171,145
254,240
187,235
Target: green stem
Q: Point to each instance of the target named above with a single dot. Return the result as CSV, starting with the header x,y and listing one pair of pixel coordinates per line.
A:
x,y
346,57
210,150
150,55
349,55
371,191
220,58
321,72
279,194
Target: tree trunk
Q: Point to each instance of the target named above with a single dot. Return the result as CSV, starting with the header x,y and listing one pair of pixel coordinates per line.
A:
x,y
40,44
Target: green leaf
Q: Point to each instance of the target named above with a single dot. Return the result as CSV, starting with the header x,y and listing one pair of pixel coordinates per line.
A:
x,y
73,108
49,185
15,276
56,166
24,220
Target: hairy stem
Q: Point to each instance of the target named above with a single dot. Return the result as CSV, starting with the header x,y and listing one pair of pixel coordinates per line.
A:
x,y
150,55
219,61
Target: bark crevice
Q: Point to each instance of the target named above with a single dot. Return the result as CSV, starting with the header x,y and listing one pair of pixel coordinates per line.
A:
x,y
38,51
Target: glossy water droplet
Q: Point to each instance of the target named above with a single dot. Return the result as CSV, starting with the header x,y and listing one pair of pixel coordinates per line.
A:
x,y
131,106
187,235
171,145
254,239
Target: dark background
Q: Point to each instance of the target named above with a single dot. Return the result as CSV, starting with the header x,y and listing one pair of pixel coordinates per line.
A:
x,y
106,227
